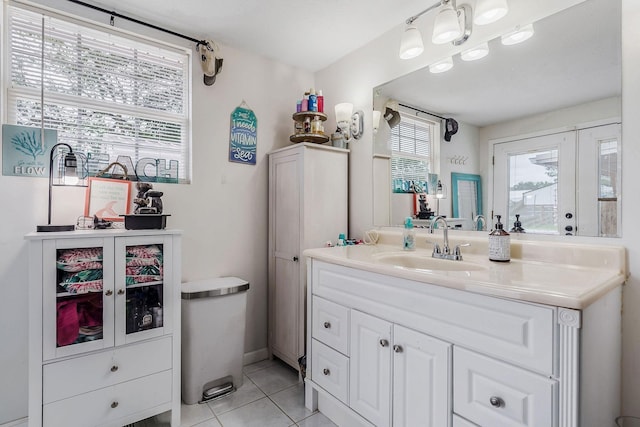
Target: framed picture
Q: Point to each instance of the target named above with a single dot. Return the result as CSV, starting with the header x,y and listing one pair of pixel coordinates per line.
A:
x,y
108,198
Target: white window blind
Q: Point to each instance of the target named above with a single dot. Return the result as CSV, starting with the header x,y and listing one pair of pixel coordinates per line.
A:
x,y
107,95
411,147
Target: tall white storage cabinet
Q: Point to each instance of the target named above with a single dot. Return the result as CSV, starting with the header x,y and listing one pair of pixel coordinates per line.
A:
x,y
308,195
104,327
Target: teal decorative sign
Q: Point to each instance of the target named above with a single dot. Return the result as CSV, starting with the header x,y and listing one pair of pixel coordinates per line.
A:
x,y
24,153
243,139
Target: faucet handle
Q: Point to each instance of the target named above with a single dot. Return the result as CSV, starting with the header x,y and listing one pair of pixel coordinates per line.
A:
x,y
457,252
436,247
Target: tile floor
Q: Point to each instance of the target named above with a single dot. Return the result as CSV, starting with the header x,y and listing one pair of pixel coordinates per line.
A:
x,y
270,396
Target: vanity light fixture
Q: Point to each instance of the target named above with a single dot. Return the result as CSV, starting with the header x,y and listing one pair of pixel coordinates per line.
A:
x,y
446,27
441,66
411,43
475,53
518,35
65,169
489,11
349,123
376,120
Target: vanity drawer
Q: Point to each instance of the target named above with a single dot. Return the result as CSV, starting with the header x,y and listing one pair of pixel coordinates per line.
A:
x,y
492,393
330,370
87,373
331,324
107,405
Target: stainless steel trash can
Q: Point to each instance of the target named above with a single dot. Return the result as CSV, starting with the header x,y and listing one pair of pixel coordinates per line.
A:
x,y
213,326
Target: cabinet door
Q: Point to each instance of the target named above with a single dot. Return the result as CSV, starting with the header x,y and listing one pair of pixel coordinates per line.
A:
x,y
286,299
143,287
78,287
421,379
370,371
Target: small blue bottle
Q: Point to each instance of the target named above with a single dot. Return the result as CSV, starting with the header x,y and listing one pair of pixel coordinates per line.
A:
x,y
408,237
313,100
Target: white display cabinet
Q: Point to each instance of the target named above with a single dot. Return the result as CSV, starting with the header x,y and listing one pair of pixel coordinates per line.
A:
x,y
104,331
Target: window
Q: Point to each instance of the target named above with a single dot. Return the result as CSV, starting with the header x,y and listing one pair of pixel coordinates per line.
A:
x,y
106,94
411,154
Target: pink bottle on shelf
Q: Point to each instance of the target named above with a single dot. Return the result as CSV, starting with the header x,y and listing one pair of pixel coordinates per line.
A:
x,y
320,100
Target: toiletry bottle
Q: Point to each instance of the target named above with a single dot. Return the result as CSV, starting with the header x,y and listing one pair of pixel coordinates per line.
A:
x,y
305,102
341,240
313,100
499,243
320,101
315,125
409,236
298,106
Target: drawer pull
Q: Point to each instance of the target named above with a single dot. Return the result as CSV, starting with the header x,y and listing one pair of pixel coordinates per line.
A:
x,y
327,325
326,371
496,402
109,292
114,404
397,348
120,291
114,368
384,343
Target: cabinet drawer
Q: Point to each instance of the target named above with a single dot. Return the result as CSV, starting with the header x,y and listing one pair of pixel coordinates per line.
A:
x,y
492,393
330,370
87,373
331,324
105,406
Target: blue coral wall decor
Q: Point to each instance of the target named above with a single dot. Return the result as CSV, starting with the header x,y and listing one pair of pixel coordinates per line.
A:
x,y
23,151
243,138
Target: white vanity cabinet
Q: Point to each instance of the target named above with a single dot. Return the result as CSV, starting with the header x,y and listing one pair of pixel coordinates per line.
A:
x,y
308,185
420,354
104,330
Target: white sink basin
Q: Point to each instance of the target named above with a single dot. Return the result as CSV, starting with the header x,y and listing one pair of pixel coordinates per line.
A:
x,y
425,262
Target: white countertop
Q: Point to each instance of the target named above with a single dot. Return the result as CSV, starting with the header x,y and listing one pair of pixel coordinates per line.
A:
x,y
573,280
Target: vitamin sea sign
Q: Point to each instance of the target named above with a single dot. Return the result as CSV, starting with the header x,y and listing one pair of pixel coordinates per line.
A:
x,y
243,139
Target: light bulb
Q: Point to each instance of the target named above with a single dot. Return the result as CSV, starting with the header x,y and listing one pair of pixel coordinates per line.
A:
x,y
441,66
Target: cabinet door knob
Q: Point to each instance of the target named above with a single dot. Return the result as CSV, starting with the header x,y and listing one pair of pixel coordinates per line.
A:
x,y
384,343
114,404
114,368
327,325
109,292
397,348
120,291
326,371
496,401
295,258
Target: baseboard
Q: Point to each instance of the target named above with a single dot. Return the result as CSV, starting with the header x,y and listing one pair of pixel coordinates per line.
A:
x,y
252,357
22,422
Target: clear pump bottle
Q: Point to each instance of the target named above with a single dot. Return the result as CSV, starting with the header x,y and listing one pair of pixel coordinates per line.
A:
x,y
409,236
499,243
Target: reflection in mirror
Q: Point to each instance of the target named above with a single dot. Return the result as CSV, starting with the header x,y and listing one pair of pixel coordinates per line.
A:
x,y
565,80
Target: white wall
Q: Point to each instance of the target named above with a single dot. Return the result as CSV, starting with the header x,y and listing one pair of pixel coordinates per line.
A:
x,y
223,213
354,77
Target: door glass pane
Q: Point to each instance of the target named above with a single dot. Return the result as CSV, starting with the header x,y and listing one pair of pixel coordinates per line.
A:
x,y
144,281
78,296
533,190
608,187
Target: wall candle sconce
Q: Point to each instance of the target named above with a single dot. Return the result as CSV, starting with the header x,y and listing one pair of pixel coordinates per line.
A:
x,y
440,194
350,124
71,170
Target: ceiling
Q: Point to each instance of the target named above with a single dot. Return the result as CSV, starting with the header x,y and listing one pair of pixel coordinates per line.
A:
x,y
310,34
573,58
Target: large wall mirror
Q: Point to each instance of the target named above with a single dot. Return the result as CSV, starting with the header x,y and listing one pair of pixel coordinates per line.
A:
x,y
539,122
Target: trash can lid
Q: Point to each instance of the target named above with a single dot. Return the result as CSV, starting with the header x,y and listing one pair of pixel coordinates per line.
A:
x,y
213,287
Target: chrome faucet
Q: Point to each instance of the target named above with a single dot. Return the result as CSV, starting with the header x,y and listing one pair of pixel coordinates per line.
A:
x,y
445,252
476,223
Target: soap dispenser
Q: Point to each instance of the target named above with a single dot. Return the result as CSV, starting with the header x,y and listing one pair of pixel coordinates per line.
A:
x,y
517,226
409,237
499,243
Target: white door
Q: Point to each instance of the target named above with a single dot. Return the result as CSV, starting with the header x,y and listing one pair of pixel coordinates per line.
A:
x,y
599,177
285,193
535,179
370,371
421,380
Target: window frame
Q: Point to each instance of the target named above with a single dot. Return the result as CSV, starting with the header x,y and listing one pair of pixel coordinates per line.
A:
x,y
185,171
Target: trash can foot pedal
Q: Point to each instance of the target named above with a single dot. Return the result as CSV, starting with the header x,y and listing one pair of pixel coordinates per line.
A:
x,y
218,391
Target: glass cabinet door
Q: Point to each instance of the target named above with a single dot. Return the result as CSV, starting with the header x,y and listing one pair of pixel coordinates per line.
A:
x,y
78,296
141,310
